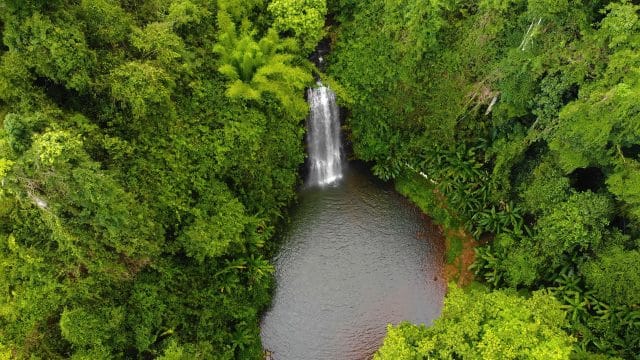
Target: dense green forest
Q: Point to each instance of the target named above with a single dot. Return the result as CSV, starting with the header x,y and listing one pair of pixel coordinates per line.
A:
x,y
519,121
149,148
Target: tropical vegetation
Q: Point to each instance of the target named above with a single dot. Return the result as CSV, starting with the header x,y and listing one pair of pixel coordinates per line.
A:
x,y
518,119
149,149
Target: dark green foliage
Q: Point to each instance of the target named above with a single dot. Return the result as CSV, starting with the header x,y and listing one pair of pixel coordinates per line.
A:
x,y
143,89
615,276
107,24
523,115
624,183
55,49
574,226
20,128
138,201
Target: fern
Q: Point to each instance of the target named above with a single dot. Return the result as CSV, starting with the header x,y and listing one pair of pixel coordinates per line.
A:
x,y
264,66
239,89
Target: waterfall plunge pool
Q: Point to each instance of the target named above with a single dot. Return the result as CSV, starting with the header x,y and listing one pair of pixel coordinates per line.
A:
x,y
355,257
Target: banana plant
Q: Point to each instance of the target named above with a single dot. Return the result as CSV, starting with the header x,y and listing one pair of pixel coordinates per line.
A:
x,y
575,305
487,265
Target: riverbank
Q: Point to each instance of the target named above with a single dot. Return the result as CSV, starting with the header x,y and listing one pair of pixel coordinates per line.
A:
x,y
459,244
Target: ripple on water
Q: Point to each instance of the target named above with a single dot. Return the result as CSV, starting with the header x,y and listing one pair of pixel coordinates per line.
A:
x,y
351,262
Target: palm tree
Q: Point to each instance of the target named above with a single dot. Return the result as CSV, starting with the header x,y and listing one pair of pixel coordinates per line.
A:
x,y
264,66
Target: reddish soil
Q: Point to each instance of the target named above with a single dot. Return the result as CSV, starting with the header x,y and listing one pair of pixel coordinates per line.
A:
x,y
458,271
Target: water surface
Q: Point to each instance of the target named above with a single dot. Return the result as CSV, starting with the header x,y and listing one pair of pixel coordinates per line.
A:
x,y
355,257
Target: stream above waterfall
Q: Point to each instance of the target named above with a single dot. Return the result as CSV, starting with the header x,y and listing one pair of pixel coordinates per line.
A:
x,y
355,256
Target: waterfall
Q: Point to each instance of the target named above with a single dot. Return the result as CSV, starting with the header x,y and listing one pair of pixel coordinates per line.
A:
x,y
323,137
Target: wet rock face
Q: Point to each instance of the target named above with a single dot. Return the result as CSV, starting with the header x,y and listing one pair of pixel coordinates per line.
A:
x,y
319,56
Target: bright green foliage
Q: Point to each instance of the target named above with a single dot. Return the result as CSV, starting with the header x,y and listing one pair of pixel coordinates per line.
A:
x,y
485,325
547,8
548,187
157,41
303,18
213,235
143,88
92,327
619,28
56,147
138,201
254,68
587,127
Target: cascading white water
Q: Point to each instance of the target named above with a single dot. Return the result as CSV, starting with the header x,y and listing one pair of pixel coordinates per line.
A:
x,y
323,137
